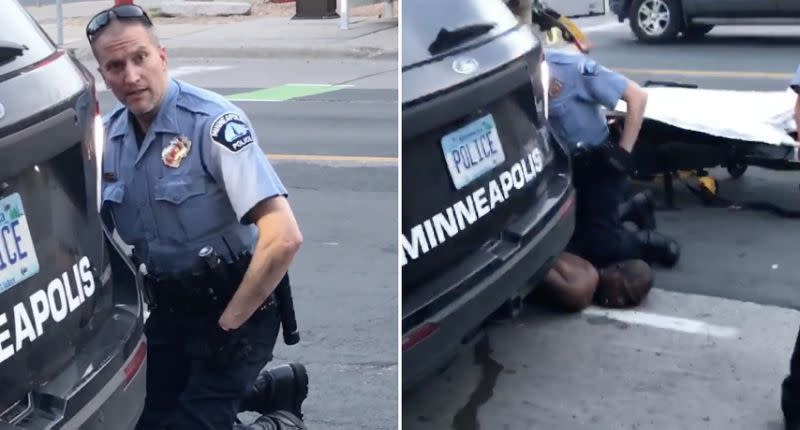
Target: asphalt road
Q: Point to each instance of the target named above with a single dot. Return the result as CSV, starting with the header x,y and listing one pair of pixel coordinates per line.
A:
x,y
44,2
740,58
710,345
336,153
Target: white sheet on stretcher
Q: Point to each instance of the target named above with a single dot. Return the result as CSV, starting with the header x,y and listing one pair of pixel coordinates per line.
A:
x,y
753,116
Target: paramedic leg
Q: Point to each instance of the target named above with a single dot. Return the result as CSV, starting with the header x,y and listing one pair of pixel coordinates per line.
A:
x,y
790,393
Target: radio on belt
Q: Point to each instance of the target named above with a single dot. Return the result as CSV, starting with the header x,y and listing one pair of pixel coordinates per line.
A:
x,y
283,292
214,264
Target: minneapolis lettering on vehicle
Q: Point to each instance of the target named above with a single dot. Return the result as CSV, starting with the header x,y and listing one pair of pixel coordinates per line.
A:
x,y
473,151
61,297
437,229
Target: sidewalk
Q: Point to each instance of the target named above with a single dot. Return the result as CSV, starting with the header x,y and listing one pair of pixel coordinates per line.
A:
x,y
268,32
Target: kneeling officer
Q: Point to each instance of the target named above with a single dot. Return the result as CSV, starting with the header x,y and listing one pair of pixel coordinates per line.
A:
x,y
578,87
182,170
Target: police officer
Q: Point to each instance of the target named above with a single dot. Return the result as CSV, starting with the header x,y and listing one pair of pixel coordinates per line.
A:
x,y
790,388
183,171
578,87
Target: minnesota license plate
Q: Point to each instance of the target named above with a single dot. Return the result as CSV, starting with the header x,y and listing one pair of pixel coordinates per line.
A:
x,y
18,260
472,150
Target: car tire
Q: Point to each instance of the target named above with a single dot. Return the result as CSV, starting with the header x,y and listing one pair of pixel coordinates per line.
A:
x,y
697,31
736,169
655,21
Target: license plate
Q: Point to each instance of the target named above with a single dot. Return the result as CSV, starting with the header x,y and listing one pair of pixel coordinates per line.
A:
x,y
18,260
472,150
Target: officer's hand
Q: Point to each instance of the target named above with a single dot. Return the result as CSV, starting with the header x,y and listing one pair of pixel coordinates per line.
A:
x,y
226,348
618,157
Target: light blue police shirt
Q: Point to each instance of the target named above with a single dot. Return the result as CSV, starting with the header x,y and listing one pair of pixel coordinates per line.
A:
x,y
585,85
169,208
795,84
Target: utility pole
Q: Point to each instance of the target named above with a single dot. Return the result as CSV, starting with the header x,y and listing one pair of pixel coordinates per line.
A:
x,y
60,22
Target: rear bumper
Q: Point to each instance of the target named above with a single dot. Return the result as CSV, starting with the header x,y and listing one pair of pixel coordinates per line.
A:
x,y
118,405
455,321
114,397
113,403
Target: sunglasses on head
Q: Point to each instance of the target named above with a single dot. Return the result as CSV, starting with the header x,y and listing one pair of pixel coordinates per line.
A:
x,y
122,12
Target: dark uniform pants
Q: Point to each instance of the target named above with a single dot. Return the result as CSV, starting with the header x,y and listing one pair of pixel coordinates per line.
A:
x,y
600,236
183,391
790,398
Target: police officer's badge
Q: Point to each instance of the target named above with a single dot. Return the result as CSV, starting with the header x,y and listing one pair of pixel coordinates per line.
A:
x,y
555,87
176,151
230,131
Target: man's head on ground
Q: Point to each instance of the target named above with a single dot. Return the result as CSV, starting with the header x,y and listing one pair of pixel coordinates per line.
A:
x,y
130,58
624,284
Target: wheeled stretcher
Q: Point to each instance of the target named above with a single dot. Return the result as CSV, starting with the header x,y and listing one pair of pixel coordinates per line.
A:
x,y
691,129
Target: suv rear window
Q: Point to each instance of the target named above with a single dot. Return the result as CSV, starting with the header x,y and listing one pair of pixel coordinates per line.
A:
x,y
424,19
18,27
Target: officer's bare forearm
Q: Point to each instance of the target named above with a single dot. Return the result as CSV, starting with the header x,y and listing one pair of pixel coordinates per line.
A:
x,y
267,267
797,116
636,99
278,242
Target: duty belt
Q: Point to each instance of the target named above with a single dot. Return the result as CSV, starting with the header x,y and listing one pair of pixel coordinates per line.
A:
x,y
190,294
584,155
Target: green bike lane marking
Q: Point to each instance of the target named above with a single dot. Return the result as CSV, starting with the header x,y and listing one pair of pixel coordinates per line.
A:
x,y
286,92
293,91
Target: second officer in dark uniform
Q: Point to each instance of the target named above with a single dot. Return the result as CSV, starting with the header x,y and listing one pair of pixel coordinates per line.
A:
x,y
578,87
183,171
790,388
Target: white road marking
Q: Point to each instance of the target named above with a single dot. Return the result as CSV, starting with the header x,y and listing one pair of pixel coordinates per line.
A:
x,y
602,27
188,70
320,85
238,100
175,73
666,322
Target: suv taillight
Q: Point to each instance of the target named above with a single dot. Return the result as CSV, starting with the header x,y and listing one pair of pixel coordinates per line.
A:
x,y
544,73
98,141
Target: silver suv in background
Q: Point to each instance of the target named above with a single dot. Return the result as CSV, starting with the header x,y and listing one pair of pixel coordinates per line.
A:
x,y
664,20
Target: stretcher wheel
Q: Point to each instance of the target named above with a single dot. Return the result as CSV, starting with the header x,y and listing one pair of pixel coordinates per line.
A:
x,y
736,170
708,189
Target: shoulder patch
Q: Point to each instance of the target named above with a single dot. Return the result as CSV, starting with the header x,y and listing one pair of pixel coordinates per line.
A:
x,y
230,131
589,68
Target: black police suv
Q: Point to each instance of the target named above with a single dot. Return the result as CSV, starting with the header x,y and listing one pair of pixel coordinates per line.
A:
x,y
487,198
72,347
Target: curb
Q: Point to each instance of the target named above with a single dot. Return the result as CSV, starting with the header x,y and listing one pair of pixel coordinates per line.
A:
x,y
370,53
